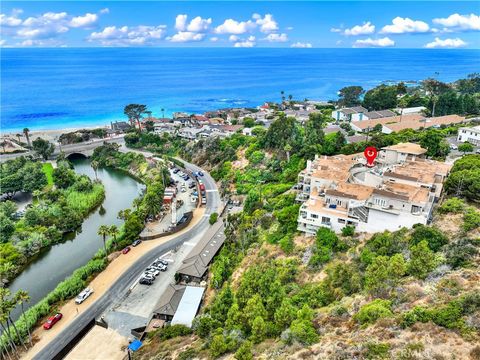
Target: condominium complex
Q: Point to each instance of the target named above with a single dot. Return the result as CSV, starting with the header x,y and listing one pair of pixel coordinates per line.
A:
x,y
399,191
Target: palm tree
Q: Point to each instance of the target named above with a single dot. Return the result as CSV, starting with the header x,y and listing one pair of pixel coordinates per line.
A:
x,y
104,231
5,269
23,297
18,137
94,164
25,132
5,309
113,231
163,112
3,144
283,95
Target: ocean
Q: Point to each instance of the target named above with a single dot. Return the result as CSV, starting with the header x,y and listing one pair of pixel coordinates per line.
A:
x,y
53,88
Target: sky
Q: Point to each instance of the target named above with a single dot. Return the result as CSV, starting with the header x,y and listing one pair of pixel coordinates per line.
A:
x,y
296,24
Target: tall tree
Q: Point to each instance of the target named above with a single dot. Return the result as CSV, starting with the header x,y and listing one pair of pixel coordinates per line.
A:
x,y
434,88
135,114
113,231
350,96
23,297
43,148
104,231
26,132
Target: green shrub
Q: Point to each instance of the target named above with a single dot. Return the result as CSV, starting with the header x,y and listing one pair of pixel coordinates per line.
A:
x,y
370,313
432,235
452,205
348,230
471,219
376,350
213,218
172,331
417,314
461,252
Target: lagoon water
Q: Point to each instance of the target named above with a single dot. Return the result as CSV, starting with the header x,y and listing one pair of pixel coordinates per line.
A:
x,y
62,87
58,262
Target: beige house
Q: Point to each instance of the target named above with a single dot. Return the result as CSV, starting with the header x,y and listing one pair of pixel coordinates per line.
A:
x,y
398,192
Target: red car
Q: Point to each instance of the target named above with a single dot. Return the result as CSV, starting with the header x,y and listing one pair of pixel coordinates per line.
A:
x,y
126,250
52,320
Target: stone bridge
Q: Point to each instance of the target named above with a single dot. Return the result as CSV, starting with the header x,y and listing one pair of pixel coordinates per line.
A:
x,y
84,148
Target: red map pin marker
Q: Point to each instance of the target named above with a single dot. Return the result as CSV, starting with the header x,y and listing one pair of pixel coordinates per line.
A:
x,y
370,153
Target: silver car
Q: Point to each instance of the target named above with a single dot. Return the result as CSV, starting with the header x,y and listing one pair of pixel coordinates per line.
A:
x,y
83,295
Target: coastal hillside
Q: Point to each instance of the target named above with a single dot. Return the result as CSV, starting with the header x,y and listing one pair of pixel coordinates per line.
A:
x,y
276,294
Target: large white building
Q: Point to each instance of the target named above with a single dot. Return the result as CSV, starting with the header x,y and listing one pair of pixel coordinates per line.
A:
x,y
472,135
398,192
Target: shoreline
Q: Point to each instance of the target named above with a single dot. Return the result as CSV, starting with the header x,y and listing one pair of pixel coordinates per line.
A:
x,y
50,134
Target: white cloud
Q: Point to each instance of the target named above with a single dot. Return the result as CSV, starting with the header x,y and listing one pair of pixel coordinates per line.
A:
x,y
301,45
231,26
3,42
336,30
125,35
43,29
104,11
267,23
447,43
87,20
366,28
186,36
233,38
250,42
289,28
199,25
384,42
460,22
276,37
405,25
181,22
12,20
214,39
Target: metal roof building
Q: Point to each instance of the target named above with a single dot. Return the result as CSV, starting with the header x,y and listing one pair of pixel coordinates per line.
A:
x,y
188,307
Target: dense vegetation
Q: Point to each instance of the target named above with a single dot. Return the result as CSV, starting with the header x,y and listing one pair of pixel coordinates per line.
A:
x,y
62,199
460,97
260,275
81,136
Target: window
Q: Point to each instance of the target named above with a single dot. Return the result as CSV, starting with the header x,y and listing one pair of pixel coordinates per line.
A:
x,y
327,200
339,202
314,216
341,221
380,202
325,220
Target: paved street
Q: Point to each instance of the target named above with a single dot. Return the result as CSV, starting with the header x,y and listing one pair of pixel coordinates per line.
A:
x,y
119,289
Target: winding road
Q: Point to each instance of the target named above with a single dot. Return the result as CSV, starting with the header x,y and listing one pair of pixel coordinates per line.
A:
x,y
121,286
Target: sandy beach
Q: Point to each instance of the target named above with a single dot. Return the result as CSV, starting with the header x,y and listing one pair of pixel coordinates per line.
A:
x,y
50,135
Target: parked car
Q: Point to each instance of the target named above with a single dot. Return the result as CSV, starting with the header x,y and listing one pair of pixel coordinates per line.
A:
x,y
183,189
161,267
148,277
83,295
136,242
453,147
126,250
52,320
146,281
176,170
161,261
193,199
204,200
478,151
152,271
200,173
191,185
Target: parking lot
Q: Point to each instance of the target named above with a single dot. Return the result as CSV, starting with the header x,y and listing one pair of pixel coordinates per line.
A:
x,y
135,309
184,196
454,144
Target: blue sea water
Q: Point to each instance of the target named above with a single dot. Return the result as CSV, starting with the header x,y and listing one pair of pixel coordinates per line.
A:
x,y
62,87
